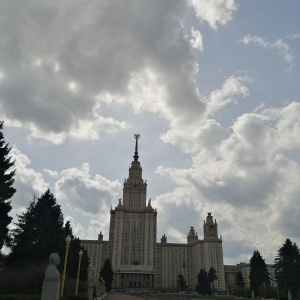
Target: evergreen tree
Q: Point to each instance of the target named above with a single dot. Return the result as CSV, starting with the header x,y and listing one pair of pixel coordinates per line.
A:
x,y
287,267
107,274
203,284
181,282
211,277
258,272
39,233
6,188
73,260
239,280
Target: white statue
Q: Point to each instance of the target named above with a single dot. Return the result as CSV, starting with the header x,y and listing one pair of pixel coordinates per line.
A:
x,y
51,271
51,284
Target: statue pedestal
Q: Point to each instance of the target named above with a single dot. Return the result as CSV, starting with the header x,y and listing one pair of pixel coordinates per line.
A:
x,y
100,291
51,284
90,288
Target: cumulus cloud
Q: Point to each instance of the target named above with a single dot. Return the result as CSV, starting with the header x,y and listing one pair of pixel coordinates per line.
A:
x,y
206,132
232,89
28,182
214,12
196,39
283,49
93,229
77,229
83,193
250,175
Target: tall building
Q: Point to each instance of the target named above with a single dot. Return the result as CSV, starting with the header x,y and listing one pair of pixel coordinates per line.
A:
x,y
137,259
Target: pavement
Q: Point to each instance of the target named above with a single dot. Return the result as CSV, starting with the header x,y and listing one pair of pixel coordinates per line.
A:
x,y
122,297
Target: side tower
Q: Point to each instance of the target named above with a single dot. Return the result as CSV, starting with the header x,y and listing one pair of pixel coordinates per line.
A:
x,y
132,234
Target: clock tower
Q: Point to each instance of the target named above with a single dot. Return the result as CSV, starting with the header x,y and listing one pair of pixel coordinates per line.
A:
x,y
210,228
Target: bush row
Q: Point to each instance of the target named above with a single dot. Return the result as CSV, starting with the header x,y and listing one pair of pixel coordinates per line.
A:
x,y
15,284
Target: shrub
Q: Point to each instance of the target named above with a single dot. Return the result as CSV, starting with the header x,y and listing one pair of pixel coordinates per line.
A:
x,y
24,281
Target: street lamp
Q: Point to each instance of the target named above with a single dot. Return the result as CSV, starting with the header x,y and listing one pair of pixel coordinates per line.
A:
x,y
79,263
68,241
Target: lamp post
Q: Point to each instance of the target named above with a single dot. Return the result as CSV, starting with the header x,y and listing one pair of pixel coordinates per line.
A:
x,y
265,291
78,272
68,241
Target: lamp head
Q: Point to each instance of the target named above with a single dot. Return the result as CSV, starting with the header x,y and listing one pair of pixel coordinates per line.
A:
x,y
68,240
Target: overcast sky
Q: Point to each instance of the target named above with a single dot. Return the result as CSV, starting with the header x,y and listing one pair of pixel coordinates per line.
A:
x,y
212,86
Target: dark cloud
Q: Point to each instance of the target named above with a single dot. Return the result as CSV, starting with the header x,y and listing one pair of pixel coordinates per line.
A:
x,y
97,47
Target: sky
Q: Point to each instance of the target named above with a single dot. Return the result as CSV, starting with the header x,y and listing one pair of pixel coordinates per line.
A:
x,y
212,87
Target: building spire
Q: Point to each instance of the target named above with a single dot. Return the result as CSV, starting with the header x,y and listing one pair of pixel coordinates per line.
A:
x,y
136,155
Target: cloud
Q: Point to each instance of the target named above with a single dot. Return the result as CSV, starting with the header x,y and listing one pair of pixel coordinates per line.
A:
x,y
85,194
77,229
232,88
94,227
283,49
214,12
247,176
52,86
294,36
53,174
28,182
98,225
196,39
205,132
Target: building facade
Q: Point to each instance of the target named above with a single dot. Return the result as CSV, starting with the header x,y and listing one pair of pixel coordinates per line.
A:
x,y
232,270
137,259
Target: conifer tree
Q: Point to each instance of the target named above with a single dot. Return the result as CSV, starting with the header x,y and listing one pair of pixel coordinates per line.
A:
x,y
211,277
73,259
6,188
287,267
181,282
39,233
258,272
203,284
107,274
239,281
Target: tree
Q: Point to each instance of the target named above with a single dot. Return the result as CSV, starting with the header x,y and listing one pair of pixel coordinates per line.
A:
x,y
39,233
258,272
239,281
107,274
287,267
181,282
73,259
203,283
211,277
6,188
